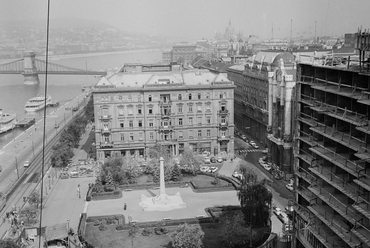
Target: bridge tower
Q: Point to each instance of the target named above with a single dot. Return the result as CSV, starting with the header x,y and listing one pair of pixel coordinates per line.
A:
x,y
29,69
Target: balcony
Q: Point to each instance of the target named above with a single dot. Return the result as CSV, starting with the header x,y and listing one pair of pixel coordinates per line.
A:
x,y
106,144
335,203
165,103
302,173
334,180
304,156
306,194
326,236
223,112
105,117
223,125
165,114
362,233
167,128
223,138
337,88
106,130
308,139
167,141
364,182
362,206
337,159
338,227
340,137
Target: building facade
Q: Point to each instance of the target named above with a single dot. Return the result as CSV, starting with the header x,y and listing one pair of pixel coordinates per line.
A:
x,y
331,168
142,105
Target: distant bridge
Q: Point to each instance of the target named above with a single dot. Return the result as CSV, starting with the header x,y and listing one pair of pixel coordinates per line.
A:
x,y
30,67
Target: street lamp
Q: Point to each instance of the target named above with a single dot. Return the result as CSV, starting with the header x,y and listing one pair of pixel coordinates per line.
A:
x,y
49,181
68,231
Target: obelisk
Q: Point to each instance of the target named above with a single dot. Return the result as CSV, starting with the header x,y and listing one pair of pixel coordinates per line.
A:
x,y
161,175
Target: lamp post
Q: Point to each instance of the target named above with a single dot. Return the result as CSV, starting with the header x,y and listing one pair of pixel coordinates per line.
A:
x,y
68,231
49,181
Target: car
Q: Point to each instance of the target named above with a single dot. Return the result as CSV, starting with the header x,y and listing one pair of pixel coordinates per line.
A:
x,y
243,137
213,160
207,160
26,163
206,153
213,169
252,143
289,186
204,169
267,167
265,151
277,211
220,160
237,175
287,227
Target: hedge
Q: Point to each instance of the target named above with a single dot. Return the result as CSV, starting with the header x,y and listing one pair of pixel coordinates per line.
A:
x,y
106,195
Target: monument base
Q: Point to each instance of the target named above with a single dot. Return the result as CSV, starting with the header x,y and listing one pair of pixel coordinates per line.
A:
x,y
31,79
162,202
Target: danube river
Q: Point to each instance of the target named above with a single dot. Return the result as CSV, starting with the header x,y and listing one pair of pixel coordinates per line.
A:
x,y
62,88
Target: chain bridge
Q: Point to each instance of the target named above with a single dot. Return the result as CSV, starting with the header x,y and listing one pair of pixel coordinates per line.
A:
x,y
30,67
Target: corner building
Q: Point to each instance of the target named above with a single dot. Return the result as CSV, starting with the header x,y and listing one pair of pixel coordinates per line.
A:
x,y
142,105
331,169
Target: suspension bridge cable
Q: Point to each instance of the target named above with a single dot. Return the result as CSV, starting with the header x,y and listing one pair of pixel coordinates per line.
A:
x,y
44,120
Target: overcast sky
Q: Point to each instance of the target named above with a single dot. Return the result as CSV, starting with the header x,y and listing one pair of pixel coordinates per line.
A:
x,y
202,18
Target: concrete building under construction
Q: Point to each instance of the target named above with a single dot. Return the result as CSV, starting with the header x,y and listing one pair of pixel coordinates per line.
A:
x,y
331,152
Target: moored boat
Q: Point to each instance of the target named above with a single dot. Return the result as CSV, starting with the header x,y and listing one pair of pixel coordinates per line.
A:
x,y
7,121
37,103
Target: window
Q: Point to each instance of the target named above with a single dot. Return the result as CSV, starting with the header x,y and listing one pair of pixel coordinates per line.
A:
x,y
199,96
179,108
151,135
140,123
139,111
165,124
207,95
122,137
221,95
180,121
150,111
199,133
131,136
106,139
223,133
140,136
149,98
120,110
190,108
208,133
181,135
223,121
120,98
131,124
199,120
190,121
199,108
208,120
130,110
190,97
122,124
151,123
190,134
208,106
130,98
180,97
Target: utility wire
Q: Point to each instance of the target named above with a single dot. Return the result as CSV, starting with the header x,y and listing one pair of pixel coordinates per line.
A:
x,y
44,121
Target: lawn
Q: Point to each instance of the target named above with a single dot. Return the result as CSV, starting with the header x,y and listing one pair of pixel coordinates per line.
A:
x,y
206,181
118,239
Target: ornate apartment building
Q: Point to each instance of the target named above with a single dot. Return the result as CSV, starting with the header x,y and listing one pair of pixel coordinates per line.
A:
x,y
142,105
332,169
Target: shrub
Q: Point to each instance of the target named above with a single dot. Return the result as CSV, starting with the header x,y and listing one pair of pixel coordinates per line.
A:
x,y
96,223
160,228
120,227
147,231
102,227
110,221
116,192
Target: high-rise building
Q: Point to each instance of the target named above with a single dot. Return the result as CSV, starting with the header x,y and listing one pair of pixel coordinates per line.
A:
x,y
332,169
142,105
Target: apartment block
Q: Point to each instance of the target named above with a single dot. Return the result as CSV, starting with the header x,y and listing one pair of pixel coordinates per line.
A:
x,y
142,105
332,155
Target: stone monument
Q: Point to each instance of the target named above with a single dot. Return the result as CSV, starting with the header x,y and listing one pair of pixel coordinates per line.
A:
x,y
162,202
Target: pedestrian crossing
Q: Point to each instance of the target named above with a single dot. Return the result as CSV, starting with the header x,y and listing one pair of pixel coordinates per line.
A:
x,y
242,151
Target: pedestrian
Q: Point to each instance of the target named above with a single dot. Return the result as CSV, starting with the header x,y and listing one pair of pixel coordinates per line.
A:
x,y
125,206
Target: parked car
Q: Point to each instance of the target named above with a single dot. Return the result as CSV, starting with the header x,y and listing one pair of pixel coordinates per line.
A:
x,y
207,160
289,186
213,169
26,163
204,169
243,137
252,143
206,153
219,160
267,167
265,151
237,175
213,160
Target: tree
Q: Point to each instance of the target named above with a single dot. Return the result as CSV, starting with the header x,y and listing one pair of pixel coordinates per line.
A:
x,y
109,183
34,199
255,200
133,232
98,187
176,173
234,231
190,162
8,244
187,236
29,212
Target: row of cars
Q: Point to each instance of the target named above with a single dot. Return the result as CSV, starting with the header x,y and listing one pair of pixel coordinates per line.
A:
x,y
275,173
284,218
211,169
245,139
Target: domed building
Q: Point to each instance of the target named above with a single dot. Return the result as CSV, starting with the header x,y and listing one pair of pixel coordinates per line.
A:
x,y
230,33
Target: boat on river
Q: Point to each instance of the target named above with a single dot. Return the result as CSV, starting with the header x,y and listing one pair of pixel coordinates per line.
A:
x,y
37,103
7,121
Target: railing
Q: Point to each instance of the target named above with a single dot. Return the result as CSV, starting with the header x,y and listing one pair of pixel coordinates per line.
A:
x,y
106,144
339,137
306,138
328,238
330,199
361,201
165,103
336,159
307,118
306,194
337,182
305,156
105,117
221,137
306,79
223,124
223,112
105,130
